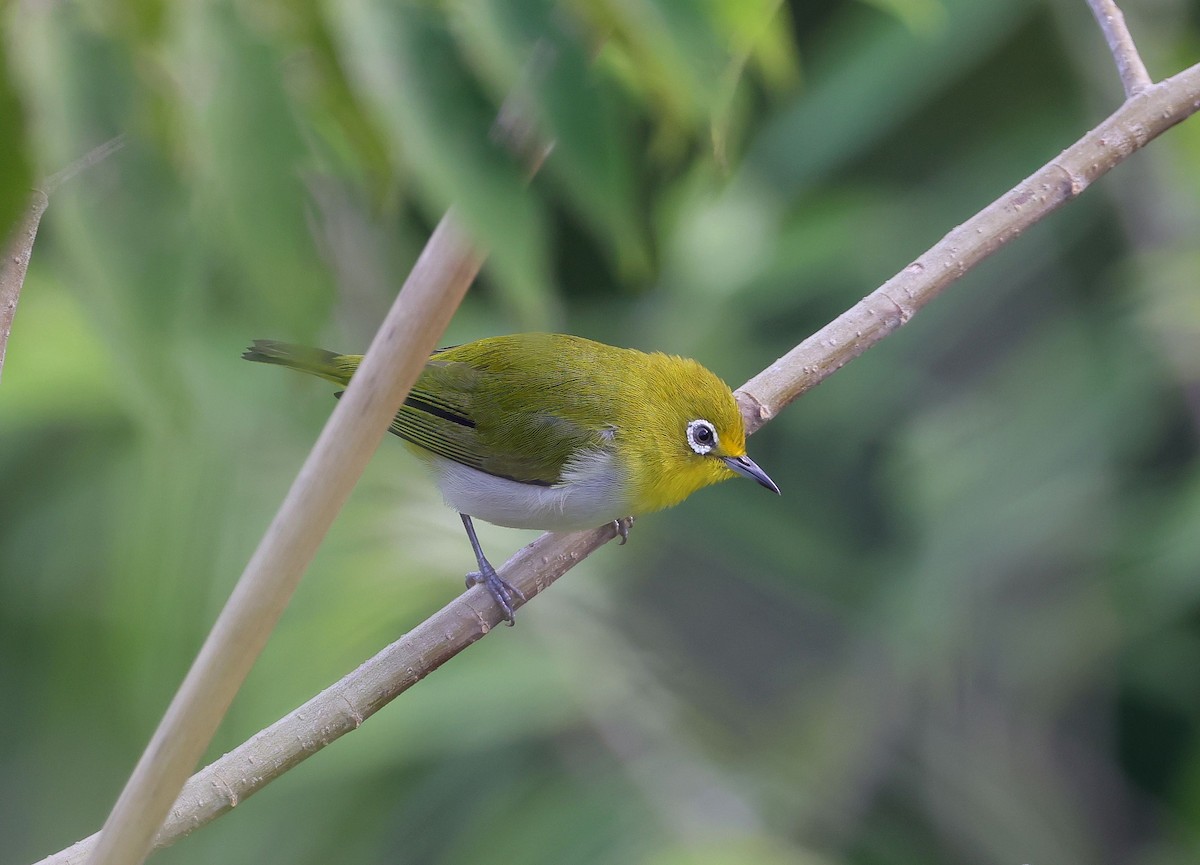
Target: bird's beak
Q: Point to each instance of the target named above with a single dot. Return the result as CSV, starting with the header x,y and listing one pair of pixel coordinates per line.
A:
x,y
748,468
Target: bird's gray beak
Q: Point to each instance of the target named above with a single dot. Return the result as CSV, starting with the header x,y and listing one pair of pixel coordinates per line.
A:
x,y
748,468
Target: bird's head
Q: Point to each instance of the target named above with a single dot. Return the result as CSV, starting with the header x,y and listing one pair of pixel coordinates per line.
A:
x,y
692,435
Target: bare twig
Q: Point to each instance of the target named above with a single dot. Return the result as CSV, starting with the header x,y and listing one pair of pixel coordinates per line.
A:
x,y
19,250
1130,67
93,157
435,287
14,265
397,354
342,707
1138,121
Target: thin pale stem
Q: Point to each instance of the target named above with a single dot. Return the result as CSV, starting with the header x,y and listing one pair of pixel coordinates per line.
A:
x,y
1138,121
19,249
358,423
344,706
14,265
1134,77
447,267
93,157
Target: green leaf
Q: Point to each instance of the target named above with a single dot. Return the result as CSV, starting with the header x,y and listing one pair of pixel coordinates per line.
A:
x,y
79,85
538,54
673,50
760,40
403,63
348,139
254,155
887,71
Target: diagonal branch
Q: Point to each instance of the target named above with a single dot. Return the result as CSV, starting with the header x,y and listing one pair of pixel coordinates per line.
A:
x,y
345,705
409,333
1138,121
1130,67
95,156
15,263
17,253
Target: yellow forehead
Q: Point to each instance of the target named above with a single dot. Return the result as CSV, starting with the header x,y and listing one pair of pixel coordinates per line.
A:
x,y
691,393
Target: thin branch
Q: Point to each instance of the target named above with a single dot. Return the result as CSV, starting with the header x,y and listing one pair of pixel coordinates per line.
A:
x,y
15,263
358,423
444,271
1130,67
1138,121
93,157
345,705
19,250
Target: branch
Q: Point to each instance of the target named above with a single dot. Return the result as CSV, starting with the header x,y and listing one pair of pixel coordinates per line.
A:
x,y
1130,67
1138,121
15,263
345,705
396,356
19,250
96,155
444,271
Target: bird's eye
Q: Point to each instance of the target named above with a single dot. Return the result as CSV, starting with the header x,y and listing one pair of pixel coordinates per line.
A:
x,y
701,436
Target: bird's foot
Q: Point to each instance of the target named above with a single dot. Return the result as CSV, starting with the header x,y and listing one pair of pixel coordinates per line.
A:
x,y
503,591
622,527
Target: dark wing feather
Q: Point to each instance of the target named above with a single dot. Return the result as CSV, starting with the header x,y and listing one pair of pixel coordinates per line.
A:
x,y
474,416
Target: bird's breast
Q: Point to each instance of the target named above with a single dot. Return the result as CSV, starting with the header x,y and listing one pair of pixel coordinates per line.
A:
x,y
592,491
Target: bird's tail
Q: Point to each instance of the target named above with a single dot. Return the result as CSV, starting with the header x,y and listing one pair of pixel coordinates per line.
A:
x,y
337,368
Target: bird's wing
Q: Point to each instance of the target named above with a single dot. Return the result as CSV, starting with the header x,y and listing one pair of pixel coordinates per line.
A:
x,y
476,417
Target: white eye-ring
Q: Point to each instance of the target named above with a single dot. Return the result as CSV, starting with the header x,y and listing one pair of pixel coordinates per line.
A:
x,y
701,436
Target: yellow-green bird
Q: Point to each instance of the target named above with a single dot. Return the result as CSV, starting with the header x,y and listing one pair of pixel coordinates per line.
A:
x,y
555,432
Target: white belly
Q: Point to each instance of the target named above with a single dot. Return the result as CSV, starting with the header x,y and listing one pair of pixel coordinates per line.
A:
x,y
589,496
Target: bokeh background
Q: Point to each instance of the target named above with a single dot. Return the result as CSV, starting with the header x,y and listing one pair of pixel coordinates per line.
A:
x,y
969,631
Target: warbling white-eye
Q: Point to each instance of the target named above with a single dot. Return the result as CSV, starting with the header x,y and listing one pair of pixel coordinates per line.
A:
x,y
555,432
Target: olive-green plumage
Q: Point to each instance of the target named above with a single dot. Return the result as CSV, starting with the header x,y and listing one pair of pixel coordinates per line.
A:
x,y
513,407
557,432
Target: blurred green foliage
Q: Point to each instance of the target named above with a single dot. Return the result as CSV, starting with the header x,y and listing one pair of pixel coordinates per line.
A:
x,y
968,632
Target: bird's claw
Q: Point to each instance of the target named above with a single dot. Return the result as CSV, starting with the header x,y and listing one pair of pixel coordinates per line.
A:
x,y
503,591
622,527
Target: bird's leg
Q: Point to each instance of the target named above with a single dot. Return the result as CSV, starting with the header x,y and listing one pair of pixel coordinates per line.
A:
x,y
622,527
503,591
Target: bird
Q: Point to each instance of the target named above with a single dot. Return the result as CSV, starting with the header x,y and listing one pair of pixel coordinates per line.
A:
x,y
555,432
